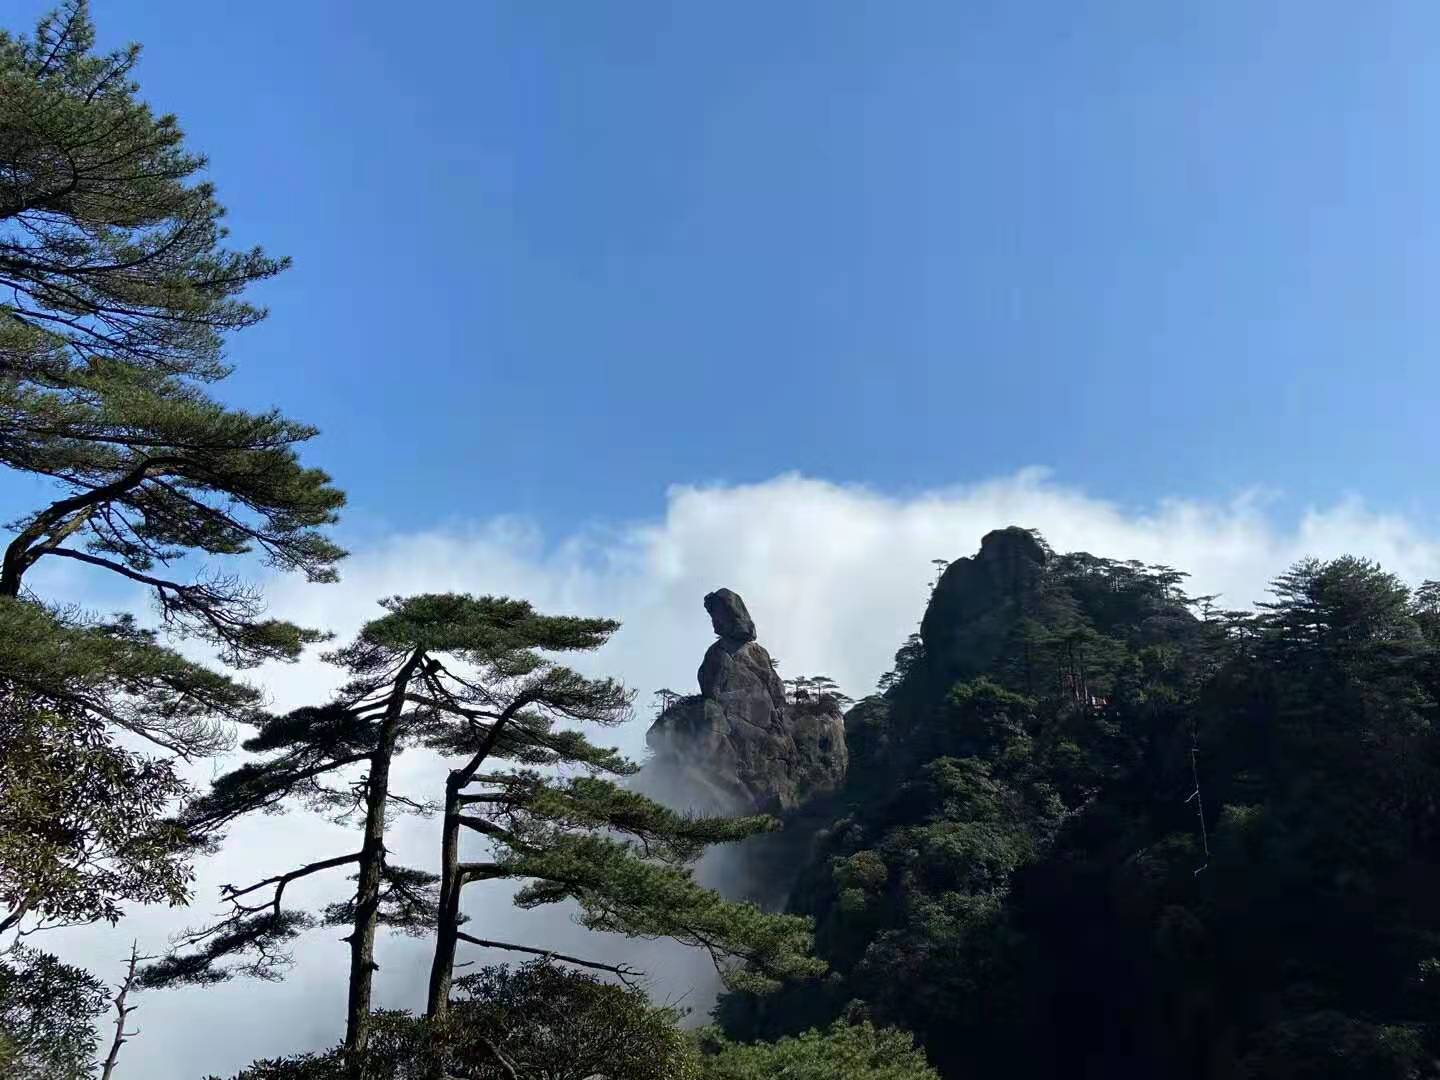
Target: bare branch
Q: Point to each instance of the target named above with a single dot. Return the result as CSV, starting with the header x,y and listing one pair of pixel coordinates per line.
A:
x,y
122,1011
623,972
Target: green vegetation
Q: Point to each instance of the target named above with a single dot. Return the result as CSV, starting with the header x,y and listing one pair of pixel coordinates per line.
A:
x,y
1183,841
535,1020
465,676
48,1011
543,1021
842,1052
81,822
117,293
1118,833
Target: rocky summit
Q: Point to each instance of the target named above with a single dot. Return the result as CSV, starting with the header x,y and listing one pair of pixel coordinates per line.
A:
x,y
978,600
739,746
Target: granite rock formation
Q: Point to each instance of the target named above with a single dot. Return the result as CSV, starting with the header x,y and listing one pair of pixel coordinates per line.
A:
x,y
978,601
738,746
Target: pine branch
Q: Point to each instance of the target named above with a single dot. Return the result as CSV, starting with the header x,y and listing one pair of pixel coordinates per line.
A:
x,y
232,894
487,828
623,972
18,555
480,871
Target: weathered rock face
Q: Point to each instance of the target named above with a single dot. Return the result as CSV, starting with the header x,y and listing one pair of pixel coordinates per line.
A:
x,y
738,746
978,599
728,616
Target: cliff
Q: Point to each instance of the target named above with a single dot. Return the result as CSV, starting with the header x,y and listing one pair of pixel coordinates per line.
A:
x,y
738,746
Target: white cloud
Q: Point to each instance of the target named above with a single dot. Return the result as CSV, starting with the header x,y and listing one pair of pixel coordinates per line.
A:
x,y
835,577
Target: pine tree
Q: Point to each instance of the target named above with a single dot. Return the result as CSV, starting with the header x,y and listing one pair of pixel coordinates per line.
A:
x,y
909,659
664,699
820,691
624,860
307,757
118,293
622,857
466,675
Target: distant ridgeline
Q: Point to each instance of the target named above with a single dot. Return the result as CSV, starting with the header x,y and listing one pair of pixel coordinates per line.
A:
x,y
1092,827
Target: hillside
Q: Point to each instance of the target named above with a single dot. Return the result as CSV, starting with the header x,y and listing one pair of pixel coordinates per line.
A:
x,y
1093,827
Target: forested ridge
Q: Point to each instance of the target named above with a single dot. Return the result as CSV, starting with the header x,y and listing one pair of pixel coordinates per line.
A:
x,y
1095,827
1088,825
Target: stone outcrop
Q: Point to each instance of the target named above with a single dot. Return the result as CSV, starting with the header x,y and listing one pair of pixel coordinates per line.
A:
x,y
978,600
738,746
729,617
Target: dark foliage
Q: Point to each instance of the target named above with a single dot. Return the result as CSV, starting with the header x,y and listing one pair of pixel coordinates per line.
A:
x,y
48,1012
81,820
537,1020
1139,837
117,293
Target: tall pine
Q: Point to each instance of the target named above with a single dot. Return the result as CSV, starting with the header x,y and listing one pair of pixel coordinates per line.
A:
x,y
472,676
117,293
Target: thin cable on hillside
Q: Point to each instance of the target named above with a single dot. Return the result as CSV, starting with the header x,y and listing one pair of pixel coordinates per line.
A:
x,y
1199,802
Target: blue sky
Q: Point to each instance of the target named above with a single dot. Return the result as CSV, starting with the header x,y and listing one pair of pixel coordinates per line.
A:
x,y
552,258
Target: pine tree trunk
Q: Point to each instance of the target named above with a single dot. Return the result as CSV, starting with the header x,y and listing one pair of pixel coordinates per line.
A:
x,y
372,861
367,898
443,966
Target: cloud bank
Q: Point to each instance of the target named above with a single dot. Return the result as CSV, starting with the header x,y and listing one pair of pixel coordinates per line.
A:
x,y
836,578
